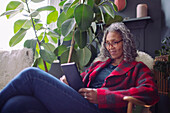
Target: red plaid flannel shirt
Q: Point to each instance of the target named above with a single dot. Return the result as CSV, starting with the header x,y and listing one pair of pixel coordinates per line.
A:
x,y
127,79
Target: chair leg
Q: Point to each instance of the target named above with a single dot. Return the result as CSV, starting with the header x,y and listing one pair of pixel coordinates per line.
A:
x,y
130,107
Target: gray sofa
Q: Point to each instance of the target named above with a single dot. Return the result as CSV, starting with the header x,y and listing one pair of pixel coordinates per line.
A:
x,y
12,62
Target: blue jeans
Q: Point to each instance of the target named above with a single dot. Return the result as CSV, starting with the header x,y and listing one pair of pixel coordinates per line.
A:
x,y
24,104
48,93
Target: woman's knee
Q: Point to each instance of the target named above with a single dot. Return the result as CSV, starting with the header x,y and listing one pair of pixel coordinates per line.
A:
x,y
23,104
28,72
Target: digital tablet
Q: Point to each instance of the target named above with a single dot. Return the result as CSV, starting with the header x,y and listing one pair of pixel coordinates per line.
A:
x,y
72,75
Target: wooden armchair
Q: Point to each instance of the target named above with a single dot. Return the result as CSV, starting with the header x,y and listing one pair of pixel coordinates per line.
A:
x,y
133,101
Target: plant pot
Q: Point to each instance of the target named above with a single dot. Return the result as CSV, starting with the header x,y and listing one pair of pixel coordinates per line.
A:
x,y
162,74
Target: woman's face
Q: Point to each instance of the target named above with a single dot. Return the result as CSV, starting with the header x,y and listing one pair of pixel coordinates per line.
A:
x,y
114,44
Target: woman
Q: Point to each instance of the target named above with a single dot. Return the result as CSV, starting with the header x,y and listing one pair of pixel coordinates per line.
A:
x,y
107,82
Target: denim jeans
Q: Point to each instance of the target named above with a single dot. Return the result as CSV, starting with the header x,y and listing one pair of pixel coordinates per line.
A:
x,y
24,104
48,93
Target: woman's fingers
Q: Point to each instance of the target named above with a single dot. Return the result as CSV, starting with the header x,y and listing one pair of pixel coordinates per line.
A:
x,y
63,79
90,94
83,91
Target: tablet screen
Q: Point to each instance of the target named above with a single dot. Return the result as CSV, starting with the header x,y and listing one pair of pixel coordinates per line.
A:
x,y
72,75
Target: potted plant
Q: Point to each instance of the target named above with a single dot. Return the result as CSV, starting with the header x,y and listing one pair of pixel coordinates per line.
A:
x,y
162,67
83,23
80,24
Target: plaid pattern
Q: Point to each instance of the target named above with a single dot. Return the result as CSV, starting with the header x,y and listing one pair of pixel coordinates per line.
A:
x,y
127,79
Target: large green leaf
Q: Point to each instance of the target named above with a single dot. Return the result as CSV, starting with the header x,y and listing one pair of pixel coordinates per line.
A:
x,y
17,37
64,57
24,23
91,35
81,38
54,36
10,12
93,52
90,3
45,8
102,15
84,16
54,39
67,5
47,56
14,5
52,17
114,6
67,26
38,26
84,56
76,2
13,8
37,1
109,10
48,47
64,16
40,64
43,37
59,50
57,31
30,44
62,3
109,19
68,37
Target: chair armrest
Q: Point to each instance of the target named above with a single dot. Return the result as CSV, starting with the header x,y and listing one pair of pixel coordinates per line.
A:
x,y
135,101
131,100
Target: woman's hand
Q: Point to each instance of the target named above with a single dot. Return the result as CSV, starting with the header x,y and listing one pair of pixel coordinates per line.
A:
x,y
64,80
90,94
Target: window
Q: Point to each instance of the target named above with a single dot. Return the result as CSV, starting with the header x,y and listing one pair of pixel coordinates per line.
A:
x,y
6,25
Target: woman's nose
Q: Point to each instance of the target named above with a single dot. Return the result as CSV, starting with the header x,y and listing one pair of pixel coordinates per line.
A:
x,y
111,46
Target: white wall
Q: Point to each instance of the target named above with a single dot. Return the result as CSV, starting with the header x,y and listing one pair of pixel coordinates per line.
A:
x,y
165,18
6,26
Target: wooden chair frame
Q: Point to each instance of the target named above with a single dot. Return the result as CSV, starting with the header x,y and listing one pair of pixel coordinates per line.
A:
x,y
131,101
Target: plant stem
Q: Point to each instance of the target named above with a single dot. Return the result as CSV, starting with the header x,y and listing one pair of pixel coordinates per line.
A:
x,y
93,40
45,66
103,2
72,46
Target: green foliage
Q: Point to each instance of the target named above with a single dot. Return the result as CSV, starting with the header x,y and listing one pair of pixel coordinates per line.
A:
x,y
79,21
84,56
163,65
165,49
83,15
24,23
67,26
17,37
81,38
43,50
65,54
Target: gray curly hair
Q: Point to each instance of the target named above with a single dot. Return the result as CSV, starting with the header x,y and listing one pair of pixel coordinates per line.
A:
x,y
129,48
